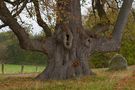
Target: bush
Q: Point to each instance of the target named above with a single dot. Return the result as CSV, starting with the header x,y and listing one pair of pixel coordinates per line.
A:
x,y
99,60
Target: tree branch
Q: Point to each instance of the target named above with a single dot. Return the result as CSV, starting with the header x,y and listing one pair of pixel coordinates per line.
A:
x,y
40,20
113,44
122,20
21,8
99,6
8,1
3,25
16,2
24,40
101,27
17,12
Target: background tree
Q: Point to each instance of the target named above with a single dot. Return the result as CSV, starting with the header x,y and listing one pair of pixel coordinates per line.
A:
x,y
127,48
11,53
69,46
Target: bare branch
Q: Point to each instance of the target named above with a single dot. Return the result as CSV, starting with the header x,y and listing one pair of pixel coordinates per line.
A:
x,y
117,3
30,14
16,2
2,26
24,40
40,20
111,6
99,6
93,8
17,12
8,1
21,8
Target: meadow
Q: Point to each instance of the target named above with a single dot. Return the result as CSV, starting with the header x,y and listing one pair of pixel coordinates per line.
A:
x,y
103,80
16,69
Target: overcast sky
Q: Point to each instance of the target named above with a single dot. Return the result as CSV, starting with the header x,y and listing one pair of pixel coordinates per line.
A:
x,y
35,28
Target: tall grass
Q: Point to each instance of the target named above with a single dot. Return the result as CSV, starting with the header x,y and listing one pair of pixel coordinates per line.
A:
x,y
120,80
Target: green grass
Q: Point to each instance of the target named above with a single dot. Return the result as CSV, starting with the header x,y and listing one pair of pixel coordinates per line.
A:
x,y
120,80
87,83
13,69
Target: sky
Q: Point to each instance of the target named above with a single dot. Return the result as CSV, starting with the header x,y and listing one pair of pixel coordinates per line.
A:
x,y
37,29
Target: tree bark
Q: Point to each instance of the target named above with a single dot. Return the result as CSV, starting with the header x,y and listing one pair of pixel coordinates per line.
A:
x,y
69,48
70,58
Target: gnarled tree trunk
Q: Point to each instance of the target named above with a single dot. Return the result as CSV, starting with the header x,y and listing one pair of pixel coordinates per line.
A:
x,y
69,57
70,46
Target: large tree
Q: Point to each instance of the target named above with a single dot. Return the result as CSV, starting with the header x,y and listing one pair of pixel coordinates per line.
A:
x,y
69,46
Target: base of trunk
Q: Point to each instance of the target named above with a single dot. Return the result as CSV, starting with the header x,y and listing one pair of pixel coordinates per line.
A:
x,y
62,73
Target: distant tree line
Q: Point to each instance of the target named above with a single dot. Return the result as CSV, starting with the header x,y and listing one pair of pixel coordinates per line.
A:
x,y
10,52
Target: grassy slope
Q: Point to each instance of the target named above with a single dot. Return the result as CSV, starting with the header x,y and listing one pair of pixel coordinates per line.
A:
x,y
121,80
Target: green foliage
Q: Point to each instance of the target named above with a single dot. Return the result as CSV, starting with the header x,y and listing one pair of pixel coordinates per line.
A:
x,y
127,50
18,56
99,60
127,44
15,55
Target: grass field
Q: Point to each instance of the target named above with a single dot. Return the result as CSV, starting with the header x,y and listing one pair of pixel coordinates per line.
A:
x,y
120,80
14,69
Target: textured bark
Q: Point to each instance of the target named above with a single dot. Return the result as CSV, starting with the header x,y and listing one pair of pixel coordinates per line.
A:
x,y
70,46
69,56
67,62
